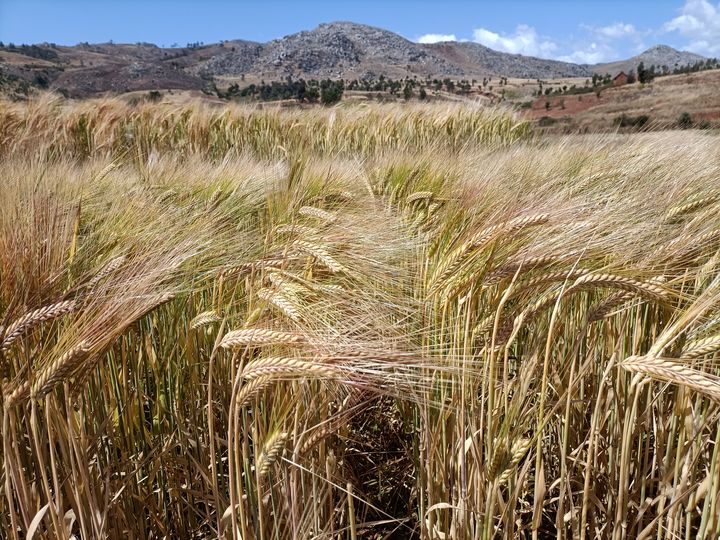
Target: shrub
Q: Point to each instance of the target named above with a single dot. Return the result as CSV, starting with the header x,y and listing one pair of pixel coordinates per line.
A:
x,y
685,121
154,96
631,121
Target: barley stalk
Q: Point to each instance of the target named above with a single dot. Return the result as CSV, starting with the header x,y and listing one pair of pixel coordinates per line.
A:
x,y
449,264
528,264
204,318
281,301
517,452
254,386
300,230
287,285
319,253
259,336
674,371
60,368
110,268
702,347
283,366
272,450
418,196
30,320
691,206
317,213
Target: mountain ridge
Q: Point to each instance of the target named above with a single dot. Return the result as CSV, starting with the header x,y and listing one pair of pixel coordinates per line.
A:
x,y
340,49
657,55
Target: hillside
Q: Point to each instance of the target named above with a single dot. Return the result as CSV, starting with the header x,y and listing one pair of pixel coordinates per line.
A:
x,y
333,50
661,103
659,55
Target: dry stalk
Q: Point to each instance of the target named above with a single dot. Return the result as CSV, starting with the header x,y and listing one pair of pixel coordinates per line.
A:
x,y
447,266
418,196
674,371
319,253
258,337
206,317
30,320
63,366
107,270
701,347
248,390
270,453
317,213
691,206
283,366
281,301
300,230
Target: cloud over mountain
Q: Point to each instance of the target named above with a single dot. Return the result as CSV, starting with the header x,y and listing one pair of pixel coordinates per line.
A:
x,y
436,38
699,21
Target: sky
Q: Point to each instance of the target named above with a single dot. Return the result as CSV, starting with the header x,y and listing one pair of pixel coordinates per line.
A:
x,y
584,31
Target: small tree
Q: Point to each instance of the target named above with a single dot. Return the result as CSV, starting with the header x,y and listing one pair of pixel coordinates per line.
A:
x,y
423,93
407,92
685,121
331,91
641,73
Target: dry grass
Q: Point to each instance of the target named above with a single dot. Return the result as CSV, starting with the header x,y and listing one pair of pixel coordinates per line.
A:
x,y
372,321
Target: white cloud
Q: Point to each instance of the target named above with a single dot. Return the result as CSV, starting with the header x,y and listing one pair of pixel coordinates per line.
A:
x,y
594,53
604,42
436,38
525,41
699,21
617,30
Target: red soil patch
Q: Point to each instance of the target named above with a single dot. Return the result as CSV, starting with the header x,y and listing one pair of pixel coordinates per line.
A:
x,y
556,106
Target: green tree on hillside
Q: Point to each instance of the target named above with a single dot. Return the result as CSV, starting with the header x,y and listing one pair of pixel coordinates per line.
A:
x,y
407,92
331,91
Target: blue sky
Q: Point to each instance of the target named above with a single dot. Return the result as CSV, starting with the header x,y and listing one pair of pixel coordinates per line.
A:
x,y
580,30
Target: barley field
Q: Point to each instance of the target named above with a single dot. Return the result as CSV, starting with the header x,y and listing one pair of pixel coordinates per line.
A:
x,y
368,321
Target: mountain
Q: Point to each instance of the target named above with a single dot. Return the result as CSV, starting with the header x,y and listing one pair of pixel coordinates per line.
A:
x,y
340,49
350,50
476,59
332,50
658,56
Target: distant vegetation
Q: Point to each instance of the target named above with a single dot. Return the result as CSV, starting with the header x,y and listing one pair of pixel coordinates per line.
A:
x,y
642,75
33,51
325,91
330,91
631,121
